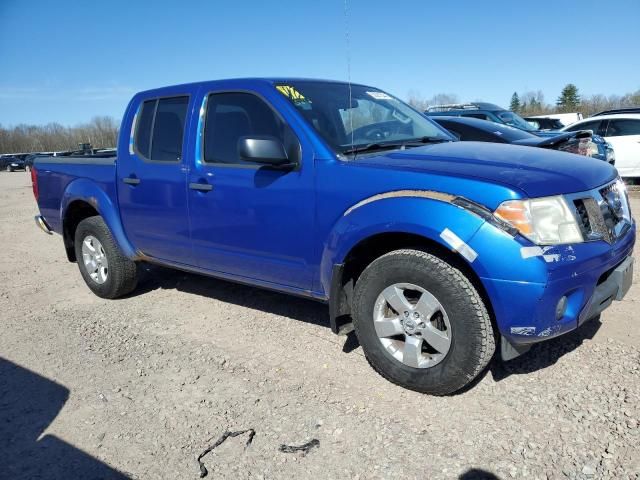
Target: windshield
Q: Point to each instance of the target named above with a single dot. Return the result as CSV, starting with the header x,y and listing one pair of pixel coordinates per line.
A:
x,y
515,120
363,118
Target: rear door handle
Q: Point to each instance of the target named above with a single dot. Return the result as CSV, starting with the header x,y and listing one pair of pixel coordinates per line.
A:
x,y
131,180
203,187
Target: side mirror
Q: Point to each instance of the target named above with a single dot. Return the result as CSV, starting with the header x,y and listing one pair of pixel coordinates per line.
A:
x,y
263,149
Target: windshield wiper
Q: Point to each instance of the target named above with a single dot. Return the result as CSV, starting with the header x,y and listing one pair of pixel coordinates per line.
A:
x,y
423,140
412,142
371,146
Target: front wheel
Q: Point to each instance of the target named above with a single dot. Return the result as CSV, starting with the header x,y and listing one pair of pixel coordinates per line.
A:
x,y
105,270
421,323
9,169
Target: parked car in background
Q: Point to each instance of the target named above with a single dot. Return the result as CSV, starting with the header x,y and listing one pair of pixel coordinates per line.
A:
x,y
11,163
622,130
435,251
544,123
482,111
581,142
618,110
565,119
28,161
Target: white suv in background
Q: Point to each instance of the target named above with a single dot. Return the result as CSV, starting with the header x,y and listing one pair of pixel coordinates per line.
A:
x,y
622,131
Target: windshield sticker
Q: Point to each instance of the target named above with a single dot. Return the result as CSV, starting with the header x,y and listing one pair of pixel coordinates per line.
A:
x,y
379,95
291,93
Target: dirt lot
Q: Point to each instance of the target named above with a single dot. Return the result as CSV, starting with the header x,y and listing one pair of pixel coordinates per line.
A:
x,y
138,387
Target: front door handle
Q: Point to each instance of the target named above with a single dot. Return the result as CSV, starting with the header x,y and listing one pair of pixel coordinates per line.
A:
x,y
131,180
203,187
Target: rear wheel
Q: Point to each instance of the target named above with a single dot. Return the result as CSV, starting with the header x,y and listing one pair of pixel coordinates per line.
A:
x,y
421,323
105,270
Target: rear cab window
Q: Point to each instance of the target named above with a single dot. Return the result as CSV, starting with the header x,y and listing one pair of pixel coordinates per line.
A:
x,y
159,130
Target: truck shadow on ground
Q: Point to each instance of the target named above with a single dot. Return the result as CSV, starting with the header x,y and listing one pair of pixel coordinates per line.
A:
x,y
28,404
153,277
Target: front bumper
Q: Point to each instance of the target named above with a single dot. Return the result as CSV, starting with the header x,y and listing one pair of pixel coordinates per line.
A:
x,y
525,284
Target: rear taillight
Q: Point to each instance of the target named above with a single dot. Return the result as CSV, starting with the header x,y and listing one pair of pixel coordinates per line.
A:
x,y
34,182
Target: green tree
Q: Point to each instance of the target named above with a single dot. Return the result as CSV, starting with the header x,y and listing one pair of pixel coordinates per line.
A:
x,y
569,99
515,102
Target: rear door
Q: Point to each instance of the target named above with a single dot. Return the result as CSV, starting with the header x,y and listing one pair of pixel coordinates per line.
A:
x,y
624,135
249,220
152,190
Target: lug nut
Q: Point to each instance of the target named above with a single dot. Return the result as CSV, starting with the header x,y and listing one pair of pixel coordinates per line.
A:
x,y
416,315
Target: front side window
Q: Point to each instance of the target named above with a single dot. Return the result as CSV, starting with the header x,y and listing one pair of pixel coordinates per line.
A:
x,y
594,126
160,129
231,116
359,117
622,127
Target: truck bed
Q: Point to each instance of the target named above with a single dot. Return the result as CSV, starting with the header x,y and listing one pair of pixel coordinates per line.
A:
x,y
56,173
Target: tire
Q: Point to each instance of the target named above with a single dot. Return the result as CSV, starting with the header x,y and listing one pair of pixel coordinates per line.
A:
x,y
460,316
118,274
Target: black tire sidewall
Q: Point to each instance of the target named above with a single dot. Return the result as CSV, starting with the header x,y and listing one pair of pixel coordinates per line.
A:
x,y
96,227
459,365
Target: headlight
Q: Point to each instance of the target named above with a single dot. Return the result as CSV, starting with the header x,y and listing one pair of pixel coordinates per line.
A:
x,y
544,221
611,156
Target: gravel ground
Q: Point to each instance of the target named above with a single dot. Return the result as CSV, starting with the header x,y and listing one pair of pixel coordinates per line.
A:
x,y
138,387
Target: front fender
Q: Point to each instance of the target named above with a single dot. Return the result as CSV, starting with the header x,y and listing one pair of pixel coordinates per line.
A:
x,y
425,217
88,191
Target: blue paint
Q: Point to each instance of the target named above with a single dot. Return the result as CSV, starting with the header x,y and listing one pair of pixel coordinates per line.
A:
x,y
286,230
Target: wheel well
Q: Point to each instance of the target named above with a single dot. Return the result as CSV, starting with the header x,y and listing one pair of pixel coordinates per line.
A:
x,y
374,247
76,212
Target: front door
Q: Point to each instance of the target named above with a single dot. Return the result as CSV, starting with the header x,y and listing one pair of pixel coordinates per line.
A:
x,y
624,135
247,220
152,190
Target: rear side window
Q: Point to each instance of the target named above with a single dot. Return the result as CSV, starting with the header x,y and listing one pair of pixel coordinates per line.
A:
x,y
231,116
621,127
143,129
160,129
481,116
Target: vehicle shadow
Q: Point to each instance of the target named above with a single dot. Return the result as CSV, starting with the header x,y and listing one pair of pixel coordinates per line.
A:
x,y
28,405
153,277
545,354
478,474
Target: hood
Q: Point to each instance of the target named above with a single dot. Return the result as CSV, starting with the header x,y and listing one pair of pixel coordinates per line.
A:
x,y
535,171
552,140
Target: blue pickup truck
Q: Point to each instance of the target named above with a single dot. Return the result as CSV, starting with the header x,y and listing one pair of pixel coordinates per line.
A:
x,y
435,251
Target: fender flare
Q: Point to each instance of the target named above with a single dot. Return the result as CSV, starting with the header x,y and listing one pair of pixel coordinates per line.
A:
x,y
89,192
438,220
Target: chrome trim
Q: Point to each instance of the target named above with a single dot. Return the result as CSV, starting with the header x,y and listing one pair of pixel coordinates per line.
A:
x,y
607,209
40,222
430,194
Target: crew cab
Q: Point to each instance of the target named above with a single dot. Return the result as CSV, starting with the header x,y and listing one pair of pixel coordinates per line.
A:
x,y
435,251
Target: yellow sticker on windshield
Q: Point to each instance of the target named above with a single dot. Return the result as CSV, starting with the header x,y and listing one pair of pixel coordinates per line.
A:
x,y
291,93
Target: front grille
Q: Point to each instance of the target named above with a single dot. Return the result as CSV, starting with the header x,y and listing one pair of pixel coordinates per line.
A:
x,y
603,214
583,217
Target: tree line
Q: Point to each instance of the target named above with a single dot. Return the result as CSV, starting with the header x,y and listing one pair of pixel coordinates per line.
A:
x,y
570,100
100,132
533,102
